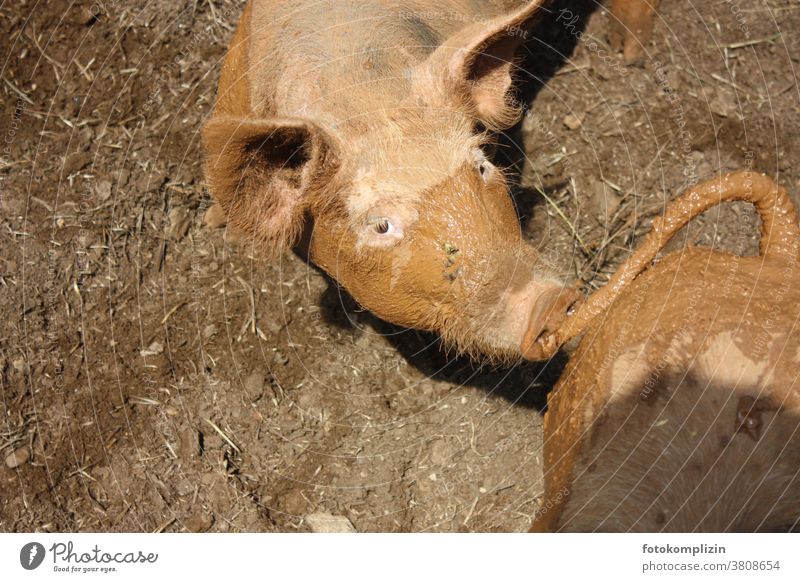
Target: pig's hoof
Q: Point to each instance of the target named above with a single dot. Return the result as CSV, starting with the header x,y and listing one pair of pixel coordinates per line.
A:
x,y
630,45
632,51
215,217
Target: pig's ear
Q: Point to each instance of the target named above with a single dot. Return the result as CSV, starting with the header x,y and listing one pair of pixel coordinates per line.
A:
x,y
480,60
260,172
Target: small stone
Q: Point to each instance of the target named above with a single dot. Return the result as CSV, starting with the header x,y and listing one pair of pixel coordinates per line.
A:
x,y
153,181
189,445
280,358
209,479
674,79
311,405
328,523
123,177
86,17
724,103
573,122
292,502
18,458
784,161
84,241
210,330
76,162
704,170
254,386
154,349
103,190
696,156
604,201
20,365
179,223
199,523
441,452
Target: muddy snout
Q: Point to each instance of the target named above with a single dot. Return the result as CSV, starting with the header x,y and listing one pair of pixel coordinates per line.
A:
x,y
549,312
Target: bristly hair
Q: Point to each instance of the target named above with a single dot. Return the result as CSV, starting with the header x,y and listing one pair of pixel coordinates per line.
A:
x,y
510,110
262,173
479,350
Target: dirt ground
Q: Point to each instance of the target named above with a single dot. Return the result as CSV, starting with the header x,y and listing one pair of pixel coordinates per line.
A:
x,y
155,376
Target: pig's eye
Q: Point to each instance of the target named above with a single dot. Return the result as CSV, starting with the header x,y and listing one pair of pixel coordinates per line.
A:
x,y
483,165
383,226
485,169
384,230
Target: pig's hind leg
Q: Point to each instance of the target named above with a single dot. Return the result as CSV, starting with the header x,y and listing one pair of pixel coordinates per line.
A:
x,y
632,25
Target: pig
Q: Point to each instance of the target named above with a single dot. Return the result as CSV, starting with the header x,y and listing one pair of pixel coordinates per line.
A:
x,y
632,26
680,408
357,132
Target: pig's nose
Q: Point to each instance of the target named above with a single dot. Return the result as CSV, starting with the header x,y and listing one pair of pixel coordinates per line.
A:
x,y
549,312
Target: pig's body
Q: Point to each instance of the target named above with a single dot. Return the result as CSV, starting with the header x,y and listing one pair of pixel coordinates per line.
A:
x,y
347,62
653,428
680,409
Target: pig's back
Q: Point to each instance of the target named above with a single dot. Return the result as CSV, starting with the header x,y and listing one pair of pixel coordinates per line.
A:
x,y
336,60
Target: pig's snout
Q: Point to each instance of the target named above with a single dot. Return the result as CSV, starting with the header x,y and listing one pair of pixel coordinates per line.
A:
x,y
549,311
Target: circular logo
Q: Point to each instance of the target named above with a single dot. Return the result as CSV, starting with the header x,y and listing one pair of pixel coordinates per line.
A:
x,y
31,555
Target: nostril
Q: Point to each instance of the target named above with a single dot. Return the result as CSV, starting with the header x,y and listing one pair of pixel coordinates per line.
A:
x,y
543,334
572,307
564,305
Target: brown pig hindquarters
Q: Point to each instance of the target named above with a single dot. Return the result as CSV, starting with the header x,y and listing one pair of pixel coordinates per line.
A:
x,y
680,409
356,129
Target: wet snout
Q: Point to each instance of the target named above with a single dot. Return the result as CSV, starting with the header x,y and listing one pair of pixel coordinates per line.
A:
x,y
549,311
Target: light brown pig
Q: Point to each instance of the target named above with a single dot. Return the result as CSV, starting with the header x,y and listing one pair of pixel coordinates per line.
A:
x,y
356,130
680,409
631,26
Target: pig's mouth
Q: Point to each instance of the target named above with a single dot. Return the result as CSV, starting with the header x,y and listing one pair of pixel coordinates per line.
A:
x,y
549,312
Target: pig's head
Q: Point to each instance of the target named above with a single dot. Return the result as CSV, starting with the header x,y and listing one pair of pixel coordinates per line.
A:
x,y
405,211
